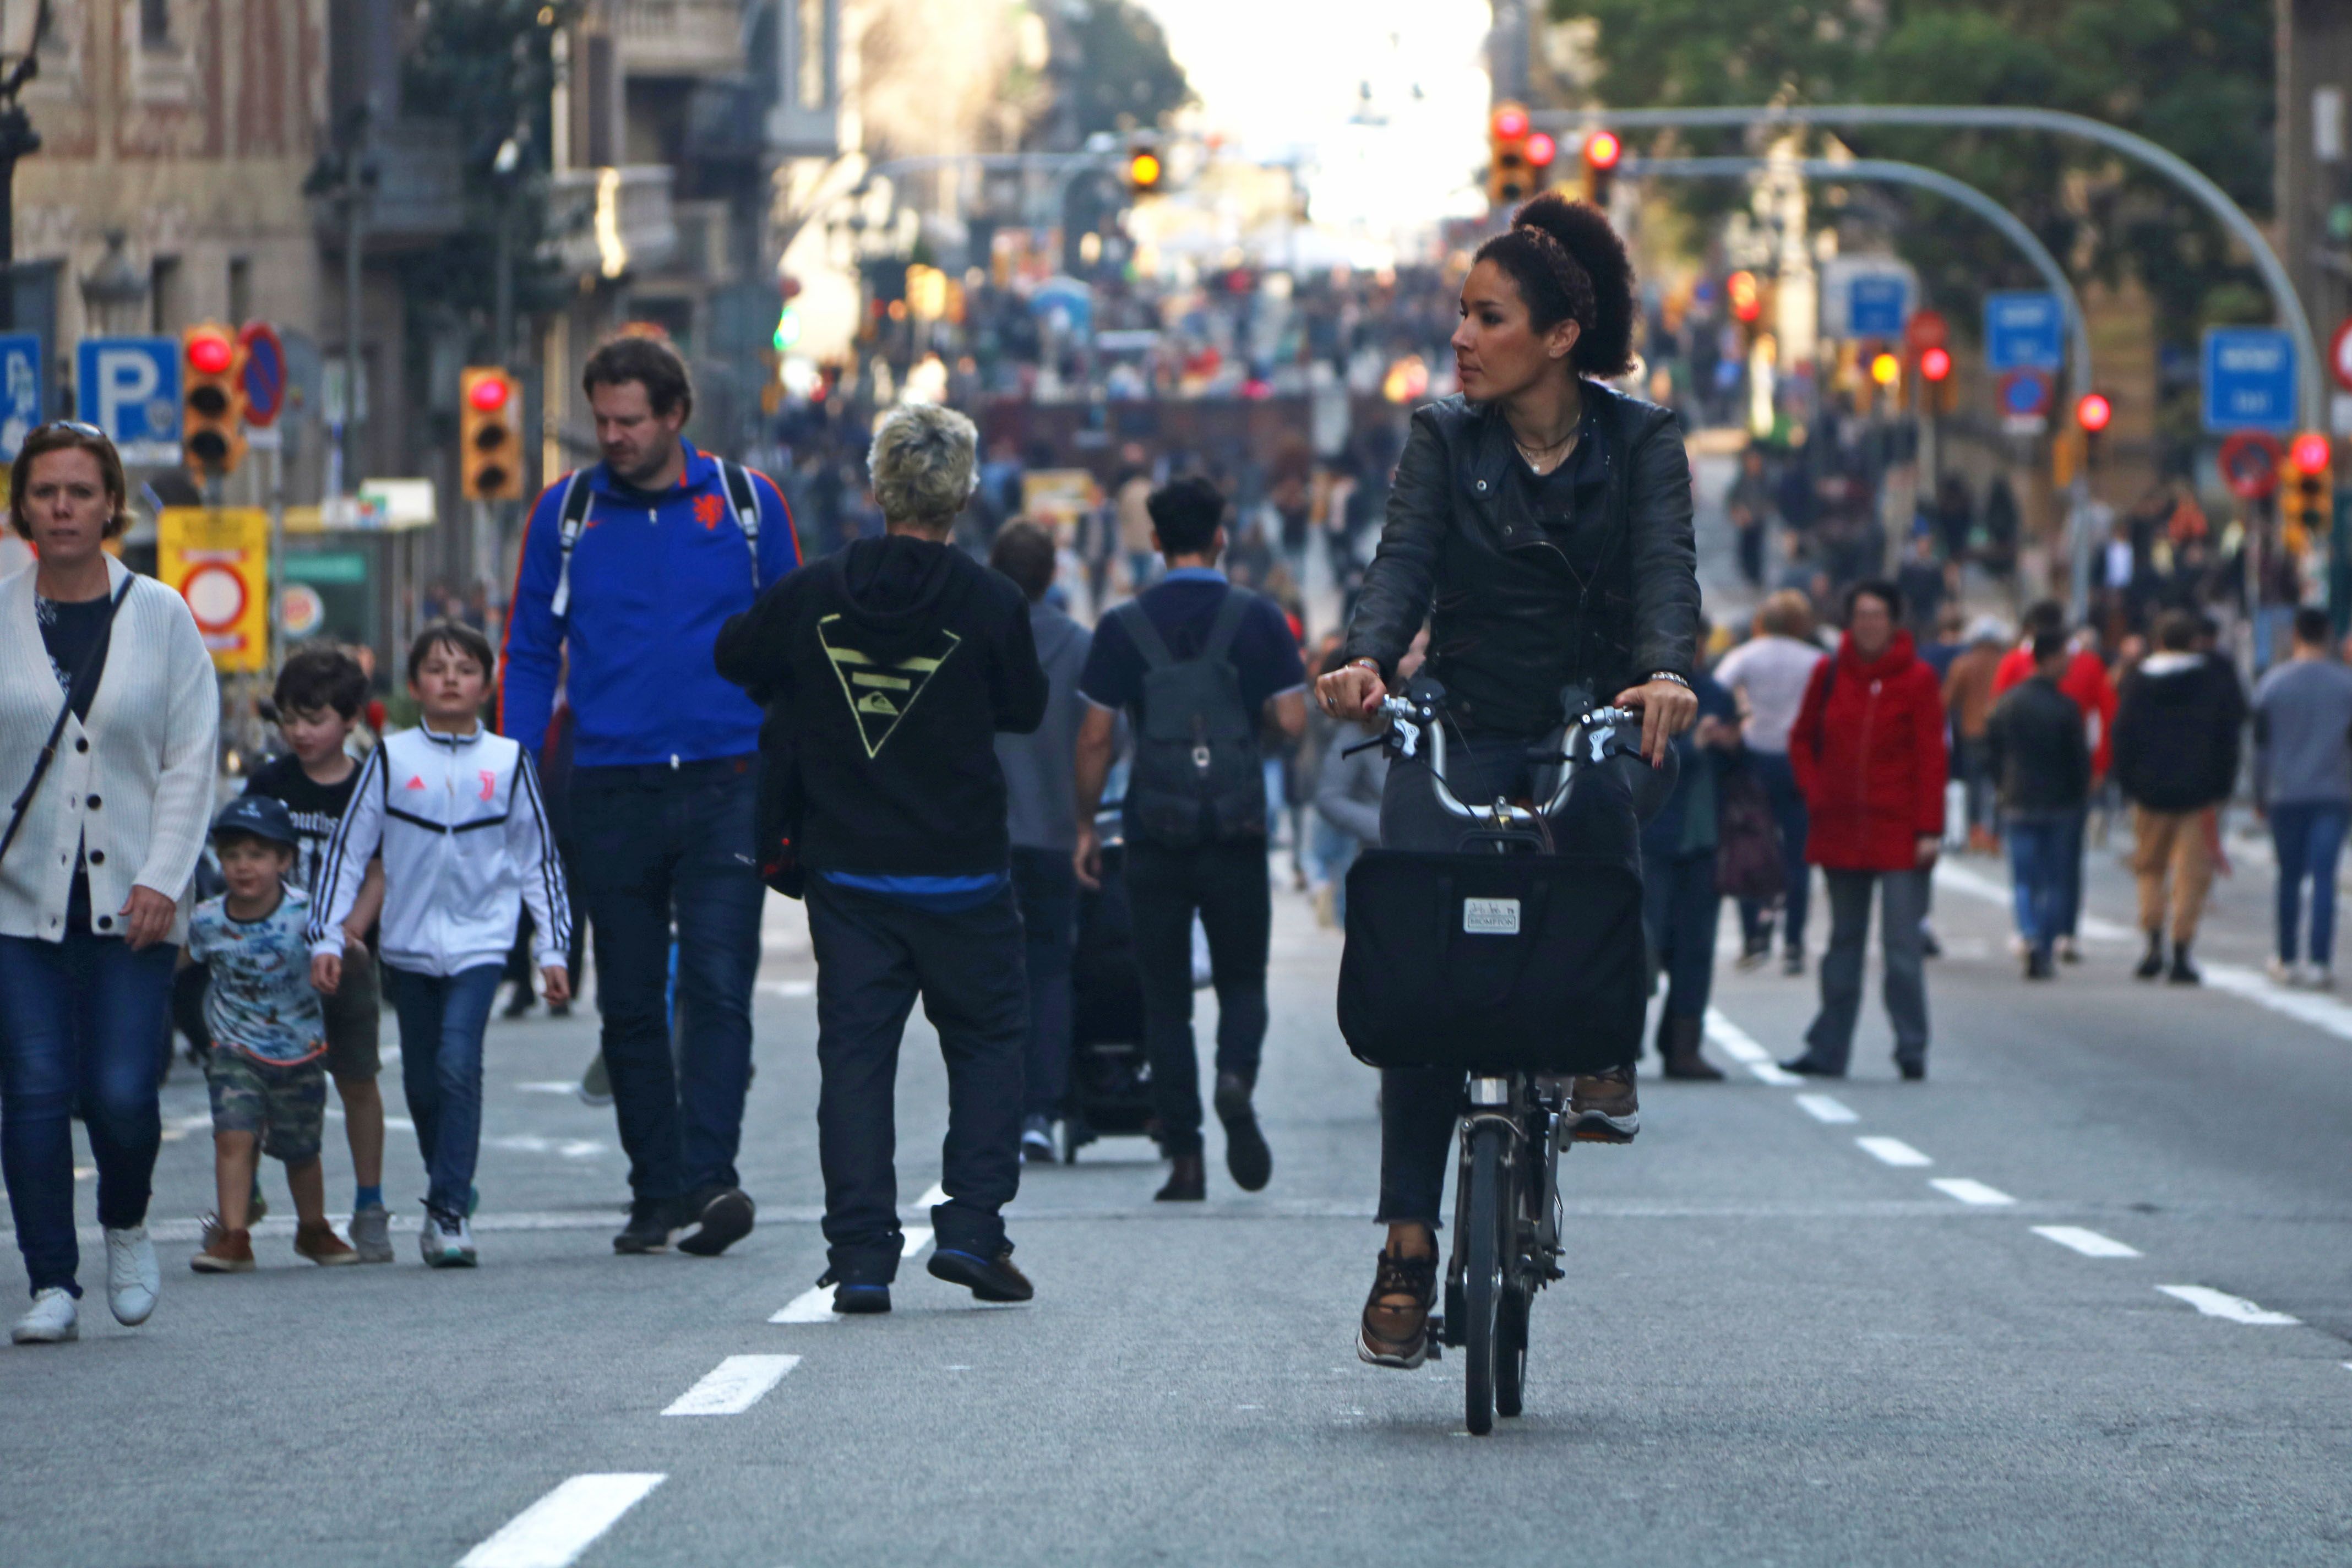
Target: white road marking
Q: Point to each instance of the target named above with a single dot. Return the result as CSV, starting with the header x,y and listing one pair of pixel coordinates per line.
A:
x,y
1893,1151
1970,1192
789,988
2221,1304
564,1086
733,1387
533,1144
1775,1073
2089,1242
85,1173
1826,1108
934,1193
1733,1041
814,1306
553,1531
919,1237
1977,885
2321,1012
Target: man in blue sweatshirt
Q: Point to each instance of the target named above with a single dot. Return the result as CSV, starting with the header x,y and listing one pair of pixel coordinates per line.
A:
x,y
629,568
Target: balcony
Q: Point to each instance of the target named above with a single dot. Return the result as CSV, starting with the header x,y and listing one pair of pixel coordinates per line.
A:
x,y
606,223
680,38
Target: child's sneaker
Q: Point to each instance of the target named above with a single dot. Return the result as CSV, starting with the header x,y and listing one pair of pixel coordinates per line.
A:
x,y
320,1245
225,1251
446,1241
372,1234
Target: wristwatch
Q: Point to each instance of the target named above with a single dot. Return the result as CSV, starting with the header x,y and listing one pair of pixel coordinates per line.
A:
x,y
1670,674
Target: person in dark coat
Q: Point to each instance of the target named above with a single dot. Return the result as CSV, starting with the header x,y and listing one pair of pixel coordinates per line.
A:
x,y
2040,755
1680,905
2178,724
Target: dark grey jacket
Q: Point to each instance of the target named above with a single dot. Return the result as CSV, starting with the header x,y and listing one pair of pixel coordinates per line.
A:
x,y
1040,768
1516,613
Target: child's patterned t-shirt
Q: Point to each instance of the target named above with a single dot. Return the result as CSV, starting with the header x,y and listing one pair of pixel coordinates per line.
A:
x,y
260,1002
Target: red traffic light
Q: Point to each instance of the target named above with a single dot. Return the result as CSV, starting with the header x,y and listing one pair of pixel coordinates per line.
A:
x,y
210,353
1935,363
1747,298
1510,124
1603,149
2093,412
1541,149
2310,453
487,394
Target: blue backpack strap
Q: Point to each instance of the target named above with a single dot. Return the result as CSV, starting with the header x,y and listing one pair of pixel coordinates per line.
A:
x,y
573,517
746,501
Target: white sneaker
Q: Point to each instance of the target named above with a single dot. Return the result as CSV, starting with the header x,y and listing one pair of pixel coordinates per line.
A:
x,y
2282,973
51,1320
446,1243
2319,977
133,1279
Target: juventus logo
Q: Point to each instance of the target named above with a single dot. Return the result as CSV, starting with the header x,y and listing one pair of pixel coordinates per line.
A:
x,y
880,691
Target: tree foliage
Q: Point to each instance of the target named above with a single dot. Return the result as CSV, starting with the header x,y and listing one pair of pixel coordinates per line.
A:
x,y
1124,76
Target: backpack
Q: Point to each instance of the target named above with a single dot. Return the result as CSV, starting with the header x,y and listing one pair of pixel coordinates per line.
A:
x,y
1197,777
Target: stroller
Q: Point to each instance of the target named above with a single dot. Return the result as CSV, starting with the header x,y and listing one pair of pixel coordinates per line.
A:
x,y
1110,1081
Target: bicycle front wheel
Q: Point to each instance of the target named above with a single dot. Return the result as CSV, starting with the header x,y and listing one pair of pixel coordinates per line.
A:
x,y
1487,1216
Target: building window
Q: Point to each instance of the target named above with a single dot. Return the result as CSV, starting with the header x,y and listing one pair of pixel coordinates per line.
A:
x,y
168,310
156,25
240,290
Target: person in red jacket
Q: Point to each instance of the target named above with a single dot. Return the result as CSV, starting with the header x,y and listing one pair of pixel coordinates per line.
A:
x,y
2087,683
1868,752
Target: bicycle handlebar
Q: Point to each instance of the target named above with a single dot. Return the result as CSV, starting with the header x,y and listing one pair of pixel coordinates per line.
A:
x,y
1410,721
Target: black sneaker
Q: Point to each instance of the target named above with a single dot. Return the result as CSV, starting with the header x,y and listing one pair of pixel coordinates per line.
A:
x,y
853,1298
2151,963
2182,971
721,1216
652,1222
1247,1159
989,1279
1806,1067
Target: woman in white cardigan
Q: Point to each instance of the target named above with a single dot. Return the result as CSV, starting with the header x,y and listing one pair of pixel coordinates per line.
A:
x,y
94,885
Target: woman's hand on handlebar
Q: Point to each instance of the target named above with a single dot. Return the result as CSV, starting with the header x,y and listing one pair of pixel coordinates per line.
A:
x,y
1667,708
1353,691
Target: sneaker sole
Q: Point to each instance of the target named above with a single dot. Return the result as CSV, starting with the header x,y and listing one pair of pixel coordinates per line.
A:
x,y
1370,1357
1596,1127
725,1220
453,1260
972,1273
866,1303
328,1259
203,1265
35,1337
624,1247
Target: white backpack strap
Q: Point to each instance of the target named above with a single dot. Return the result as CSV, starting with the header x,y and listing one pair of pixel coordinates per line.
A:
x,y
573,516
738,481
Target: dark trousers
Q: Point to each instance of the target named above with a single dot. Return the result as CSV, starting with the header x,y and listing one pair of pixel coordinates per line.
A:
x,y
1227,884
2070,871
1047,887
874,956
2038,848
655,846
1904,903
1680,911
84,1028
519,967
442,1017
1779,780
2308,836
1751,541
1418,1105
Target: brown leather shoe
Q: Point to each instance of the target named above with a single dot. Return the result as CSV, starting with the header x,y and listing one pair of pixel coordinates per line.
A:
x,y
227,1252
320,1245
1678,1043
1602,1106
1188,1181
1395,1329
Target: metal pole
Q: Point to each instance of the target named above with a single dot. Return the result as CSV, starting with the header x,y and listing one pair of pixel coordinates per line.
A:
x,y
353,359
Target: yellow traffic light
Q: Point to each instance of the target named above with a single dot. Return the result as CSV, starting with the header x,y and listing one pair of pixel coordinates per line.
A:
x,y
489,429
1144,170
212,400
1510,176
1603,149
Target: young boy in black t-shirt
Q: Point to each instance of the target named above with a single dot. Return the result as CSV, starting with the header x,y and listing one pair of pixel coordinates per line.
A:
x,y
319,693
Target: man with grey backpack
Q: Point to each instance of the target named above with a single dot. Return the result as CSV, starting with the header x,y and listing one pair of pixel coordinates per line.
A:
x,y
1203,670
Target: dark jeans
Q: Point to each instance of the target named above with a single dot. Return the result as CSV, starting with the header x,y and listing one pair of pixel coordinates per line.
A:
x,y
84,1028
2309,836
2070,872
653,845
1974,760
1227,884
1779,780
1047,886
2038,848
1904,902
1418,1105
1680,911
441,1022
874,956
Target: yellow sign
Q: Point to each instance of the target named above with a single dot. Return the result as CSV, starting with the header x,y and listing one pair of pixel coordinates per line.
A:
x,y
219,562
1057,498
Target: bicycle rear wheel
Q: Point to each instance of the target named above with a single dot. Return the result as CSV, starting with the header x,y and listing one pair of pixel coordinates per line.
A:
x,y
1482,1285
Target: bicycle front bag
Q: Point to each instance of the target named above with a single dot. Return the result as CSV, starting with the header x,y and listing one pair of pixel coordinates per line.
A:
x,y
1493,962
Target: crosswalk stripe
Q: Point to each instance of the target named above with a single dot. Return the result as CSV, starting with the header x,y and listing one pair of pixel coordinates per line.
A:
x,y
553,1531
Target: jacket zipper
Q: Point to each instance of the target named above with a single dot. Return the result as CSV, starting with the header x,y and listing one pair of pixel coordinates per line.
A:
x,y
1861,756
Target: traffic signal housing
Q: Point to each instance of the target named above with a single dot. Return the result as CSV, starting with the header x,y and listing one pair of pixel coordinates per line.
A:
x,y
1603,149
1510,176
490,427
212,400
2307,501
1938,393
1145,171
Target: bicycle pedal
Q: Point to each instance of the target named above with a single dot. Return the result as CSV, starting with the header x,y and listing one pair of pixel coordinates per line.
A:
x,y
1435,1335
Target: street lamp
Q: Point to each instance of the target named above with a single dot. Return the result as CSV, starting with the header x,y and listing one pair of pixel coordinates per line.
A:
x,y
17,140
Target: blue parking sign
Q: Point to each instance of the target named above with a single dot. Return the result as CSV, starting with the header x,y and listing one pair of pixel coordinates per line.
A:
x,y
130,388
2248,379
20,390
2023,330
1877,304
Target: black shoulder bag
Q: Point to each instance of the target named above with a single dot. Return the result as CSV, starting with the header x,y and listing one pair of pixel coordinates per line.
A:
x,y
93,664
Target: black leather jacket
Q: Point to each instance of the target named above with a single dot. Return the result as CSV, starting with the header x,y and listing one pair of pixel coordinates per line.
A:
x,y
1518,610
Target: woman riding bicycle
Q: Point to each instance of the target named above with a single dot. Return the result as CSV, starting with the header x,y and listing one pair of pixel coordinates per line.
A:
x,y
1541,522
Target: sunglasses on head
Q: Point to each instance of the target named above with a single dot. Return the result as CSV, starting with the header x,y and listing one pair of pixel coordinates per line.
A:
x,y
76,426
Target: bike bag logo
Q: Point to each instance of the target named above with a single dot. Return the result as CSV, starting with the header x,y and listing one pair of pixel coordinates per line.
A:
x,y
1490,916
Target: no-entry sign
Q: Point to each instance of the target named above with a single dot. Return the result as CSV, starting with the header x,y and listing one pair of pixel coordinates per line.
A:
x,y
2250,463
219,562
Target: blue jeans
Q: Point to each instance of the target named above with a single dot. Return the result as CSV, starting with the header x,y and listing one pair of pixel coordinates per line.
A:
x,y
2070,873
1680,911
1779,780
2038,850
84,1026
441,1022
1046,884
2308,836
657,846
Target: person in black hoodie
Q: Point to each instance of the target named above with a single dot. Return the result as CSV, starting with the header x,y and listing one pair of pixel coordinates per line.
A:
x,y
2040,755
2178,720
892,665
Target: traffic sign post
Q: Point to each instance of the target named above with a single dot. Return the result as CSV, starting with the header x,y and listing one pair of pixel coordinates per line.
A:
x,y
2024,331
218,561
2249,380
130,388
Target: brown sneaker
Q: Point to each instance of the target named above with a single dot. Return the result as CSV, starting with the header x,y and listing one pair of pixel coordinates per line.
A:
x,y
225,1252
1603,1107
1395,1329
319,1244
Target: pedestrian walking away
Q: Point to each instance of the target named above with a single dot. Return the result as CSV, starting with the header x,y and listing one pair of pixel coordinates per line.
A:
x,y
1968,701
2303,779
894,665
1768,674
1203,668
2087,681
109,724
2178,722
629,569
2039,752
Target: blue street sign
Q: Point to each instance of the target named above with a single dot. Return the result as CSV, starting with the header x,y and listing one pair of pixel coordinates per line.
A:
x,y
130,388
20,390
2023,331
2248,379
2025,393
1877,304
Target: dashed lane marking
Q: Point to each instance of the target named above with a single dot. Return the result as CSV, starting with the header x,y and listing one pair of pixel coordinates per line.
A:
x,y
2322,1013
1892,1151
789,988
2089,1242
1743,1047
1977,885
2221,1304
550,1086
1826,1108
733,1387
934,1193
553,1531
1970,1192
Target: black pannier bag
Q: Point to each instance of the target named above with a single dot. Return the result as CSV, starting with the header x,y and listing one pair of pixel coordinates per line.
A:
x,y
1521,962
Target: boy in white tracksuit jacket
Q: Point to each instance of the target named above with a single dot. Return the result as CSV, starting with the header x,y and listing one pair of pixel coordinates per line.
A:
x,y
457,815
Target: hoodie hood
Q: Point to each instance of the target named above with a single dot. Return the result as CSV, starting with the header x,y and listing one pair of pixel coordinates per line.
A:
x,y
896,585
1899,655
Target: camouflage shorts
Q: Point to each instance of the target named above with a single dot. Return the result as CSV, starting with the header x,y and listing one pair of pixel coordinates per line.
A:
x,y
285,1106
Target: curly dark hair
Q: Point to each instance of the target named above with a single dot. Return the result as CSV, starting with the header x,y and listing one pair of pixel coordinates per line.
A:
x,y
649,361
1570,265
320,676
